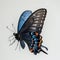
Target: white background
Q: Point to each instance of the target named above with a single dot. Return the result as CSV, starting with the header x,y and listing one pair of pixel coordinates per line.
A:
x,y
10,11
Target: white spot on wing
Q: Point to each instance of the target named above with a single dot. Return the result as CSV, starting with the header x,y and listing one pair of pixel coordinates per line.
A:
x,y
42,18
33,28
39,28
38,16
36,22
41,21
40,25
34,25
34,15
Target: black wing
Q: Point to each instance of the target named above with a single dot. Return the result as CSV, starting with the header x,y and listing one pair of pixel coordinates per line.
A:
x,y
38,17
35,21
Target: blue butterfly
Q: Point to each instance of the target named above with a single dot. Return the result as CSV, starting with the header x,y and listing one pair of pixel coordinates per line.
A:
x,y
29,29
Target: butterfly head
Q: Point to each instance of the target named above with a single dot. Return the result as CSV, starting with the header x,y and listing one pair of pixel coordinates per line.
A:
x,y
17,36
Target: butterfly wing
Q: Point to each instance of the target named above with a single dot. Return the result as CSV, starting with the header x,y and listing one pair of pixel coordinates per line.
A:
x,y
38,18
35,21
22,44
24,16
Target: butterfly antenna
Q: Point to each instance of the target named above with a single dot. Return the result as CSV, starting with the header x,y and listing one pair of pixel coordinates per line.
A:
x,y
9,29
13,27
17,45
12,43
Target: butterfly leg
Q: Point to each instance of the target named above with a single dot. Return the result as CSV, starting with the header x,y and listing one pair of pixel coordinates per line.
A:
x,y
44,47
44,51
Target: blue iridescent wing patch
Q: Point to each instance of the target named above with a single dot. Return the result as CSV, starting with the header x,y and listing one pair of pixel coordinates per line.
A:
x,y
24,16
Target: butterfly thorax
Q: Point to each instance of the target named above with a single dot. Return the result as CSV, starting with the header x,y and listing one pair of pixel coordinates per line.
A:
x,y
17,36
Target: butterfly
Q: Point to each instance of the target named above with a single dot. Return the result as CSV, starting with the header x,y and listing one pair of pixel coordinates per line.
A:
x,y
29,30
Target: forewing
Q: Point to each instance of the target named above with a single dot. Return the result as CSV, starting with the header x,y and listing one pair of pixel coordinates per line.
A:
x,y
35,21
38,18
24,16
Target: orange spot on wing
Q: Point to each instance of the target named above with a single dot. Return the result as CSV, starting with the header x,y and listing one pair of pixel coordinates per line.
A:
x,y
39,45
31,49
36,33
